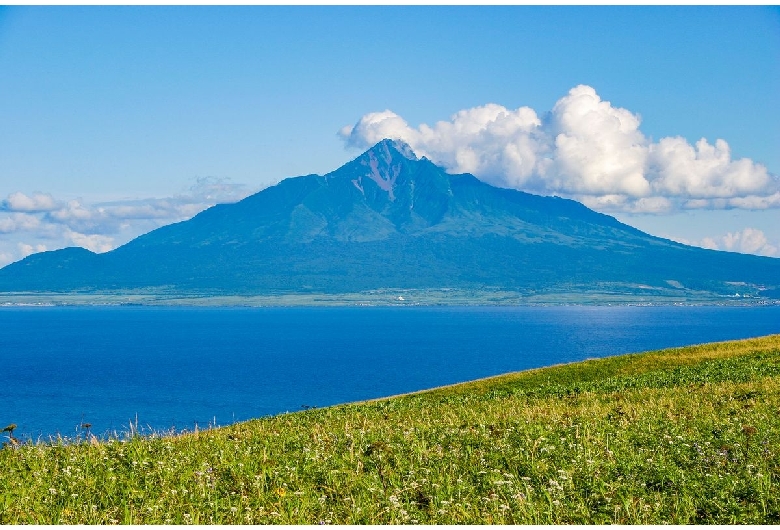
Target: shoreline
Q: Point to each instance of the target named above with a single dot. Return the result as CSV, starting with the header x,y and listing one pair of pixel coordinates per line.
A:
x,y
383,298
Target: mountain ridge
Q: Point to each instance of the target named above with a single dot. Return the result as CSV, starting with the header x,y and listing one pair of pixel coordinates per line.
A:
x,y
388,219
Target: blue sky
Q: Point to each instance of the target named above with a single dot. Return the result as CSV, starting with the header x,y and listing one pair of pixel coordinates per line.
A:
x,y
116,120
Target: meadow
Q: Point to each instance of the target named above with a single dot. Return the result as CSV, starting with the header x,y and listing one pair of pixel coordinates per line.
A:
x,y
686,435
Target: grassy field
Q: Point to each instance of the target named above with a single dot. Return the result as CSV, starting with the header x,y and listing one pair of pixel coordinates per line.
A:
x,y
689,435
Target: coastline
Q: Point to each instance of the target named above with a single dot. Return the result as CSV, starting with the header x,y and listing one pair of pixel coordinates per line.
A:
x,y
606,296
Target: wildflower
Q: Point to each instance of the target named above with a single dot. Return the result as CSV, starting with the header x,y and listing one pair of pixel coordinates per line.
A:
x,y
281,492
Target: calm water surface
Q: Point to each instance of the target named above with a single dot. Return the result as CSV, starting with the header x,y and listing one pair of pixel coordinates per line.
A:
x,y
175,367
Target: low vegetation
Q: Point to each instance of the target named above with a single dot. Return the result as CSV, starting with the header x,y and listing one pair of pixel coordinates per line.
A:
x,y
689,435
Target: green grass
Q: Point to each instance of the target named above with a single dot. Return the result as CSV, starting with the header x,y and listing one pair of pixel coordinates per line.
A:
x,y
689,435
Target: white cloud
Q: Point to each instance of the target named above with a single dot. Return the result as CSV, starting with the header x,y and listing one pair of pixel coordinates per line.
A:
x,y
498,144
755,202
37,202
73,212
38,222
584,148
598,148
622,203
706,171
93,242
747,241
376,126
18,222
25,249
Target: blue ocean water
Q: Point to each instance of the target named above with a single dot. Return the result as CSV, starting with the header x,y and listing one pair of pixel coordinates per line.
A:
x,y
177,367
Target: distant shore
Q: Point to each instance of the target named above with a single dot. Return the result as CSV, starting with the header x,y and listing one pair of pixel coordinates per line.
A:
x,y
620,295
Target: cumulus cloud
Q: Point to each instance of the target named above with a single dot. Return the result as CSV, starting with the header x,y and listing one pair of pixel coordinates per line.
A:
x,y
37,202
706,171
584,148
18,222
495,143
748,241
38,222
94,242
597,149
25,249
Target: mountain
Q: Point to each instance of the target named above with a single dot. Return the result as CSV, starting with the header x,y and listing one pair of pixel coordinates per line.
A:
x,y
390,220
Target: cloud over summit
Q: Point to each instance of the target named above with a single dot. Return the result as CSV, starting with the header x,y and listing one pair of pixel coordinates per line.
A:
x,y
584,148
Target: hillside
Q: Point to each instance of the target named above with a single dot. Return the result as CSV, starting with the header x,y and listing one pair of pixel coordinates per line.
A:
x,y
688,435
388,220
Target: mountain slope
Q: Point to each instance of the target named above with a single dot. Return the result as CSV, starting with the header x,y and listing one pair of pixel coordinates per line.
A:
x,y
390,220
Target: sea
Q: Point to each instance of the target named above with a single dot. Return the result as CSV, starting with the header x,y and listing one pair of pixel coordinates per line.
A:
x,y
171,369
